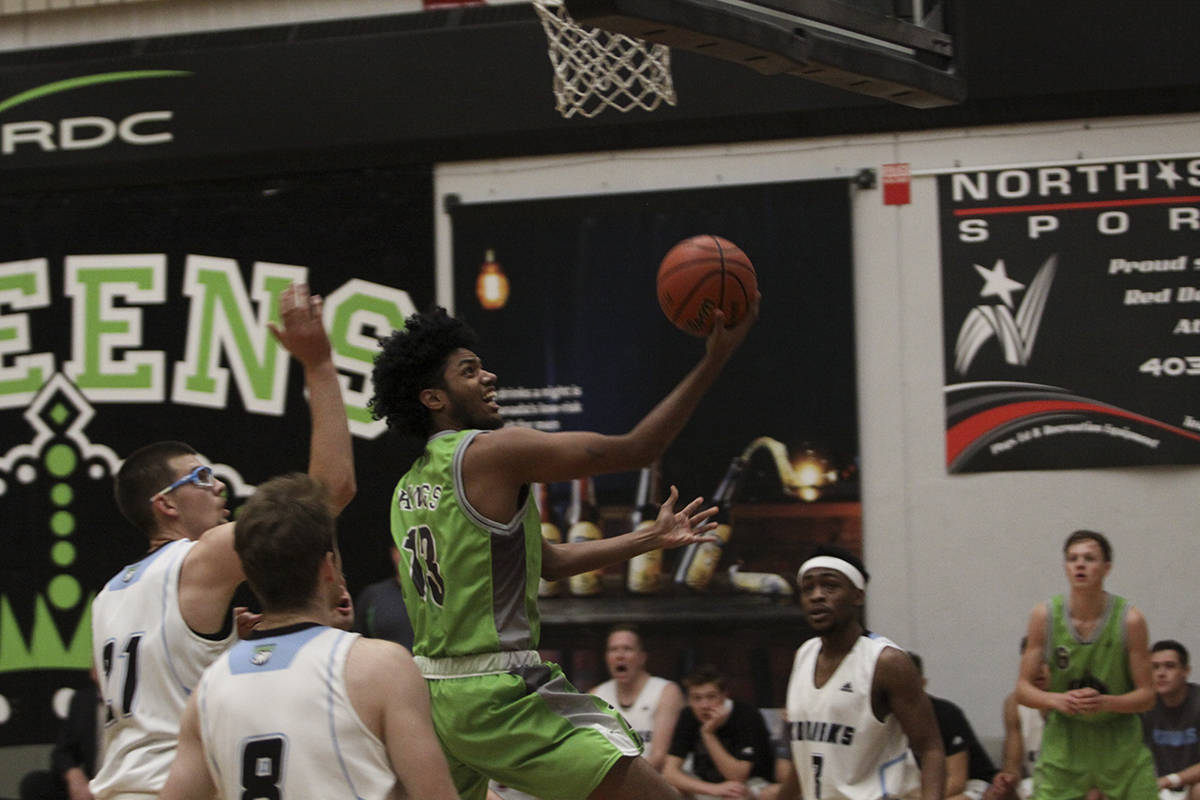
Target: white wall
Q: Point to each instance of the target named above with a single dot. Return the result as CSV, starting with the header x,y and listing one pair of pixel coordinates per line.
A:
x,y
957,562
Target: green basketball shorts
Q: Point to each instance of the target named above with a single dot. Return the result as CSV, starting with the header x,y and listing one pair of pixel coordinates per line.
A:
x,y
530,729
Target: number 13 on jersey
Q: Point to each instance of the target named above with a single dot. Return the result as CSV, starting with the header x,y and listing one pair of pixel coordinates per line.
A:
x,y
426,577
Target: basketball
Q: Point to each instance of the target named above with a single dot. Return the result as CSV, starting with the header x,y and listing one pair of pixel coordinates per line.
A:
x,y
700,275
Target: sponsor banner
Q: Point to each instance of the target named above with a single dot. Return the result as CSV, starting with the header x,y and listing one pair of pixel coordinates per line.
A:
x,y
1071,302
268,95
581,344
138,315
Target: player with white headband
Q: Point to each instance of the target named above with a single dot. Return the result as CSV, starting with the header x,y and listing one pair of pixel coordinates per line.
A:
x,y
856,708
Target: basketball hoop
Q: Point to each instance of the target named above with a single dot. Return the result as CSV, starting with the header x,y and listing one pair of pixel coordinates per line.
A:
x,y
596,69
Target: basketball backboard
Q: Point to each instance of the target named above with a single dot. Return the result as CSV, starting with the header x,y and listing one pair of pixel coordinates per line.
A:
x,y
897,50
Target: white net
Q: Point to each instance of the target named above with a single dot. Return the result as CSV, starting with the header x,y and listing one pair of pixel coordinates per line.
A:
x,y
596,69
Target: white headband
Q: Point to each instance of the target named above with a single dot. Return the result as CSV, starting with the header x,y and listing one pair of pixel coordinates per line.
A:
x,y
833,562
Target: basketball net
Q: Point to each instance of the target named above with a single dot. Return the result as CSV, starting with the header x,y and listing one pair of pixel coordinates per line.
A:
x,y
596,69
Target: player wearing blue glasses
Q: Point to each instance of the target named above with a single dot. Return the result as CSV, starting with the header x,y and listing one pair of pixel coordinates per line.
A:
x,y
160,621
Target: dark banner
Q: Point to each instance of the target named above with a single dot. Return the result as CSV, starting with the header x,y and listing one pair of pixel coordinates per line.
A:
x,y
286,93
1071,305
137,315
581,342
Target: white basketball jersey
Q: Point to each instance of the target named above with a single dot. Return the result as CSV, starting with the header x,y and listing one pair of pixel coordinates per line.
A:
x,y
640,715
840,750
148,661
1032,723
276,721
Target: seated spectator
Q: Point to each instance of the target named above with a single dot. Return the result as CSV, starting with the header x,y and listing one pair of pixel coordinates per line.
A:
x,y
1172,727
1022,742
969,769
650,704
730,748
73,759
379,611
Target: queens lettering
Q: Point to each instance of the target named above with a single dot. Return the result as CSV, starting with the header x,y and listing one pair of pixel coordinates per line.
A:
x,y
222,318
816,731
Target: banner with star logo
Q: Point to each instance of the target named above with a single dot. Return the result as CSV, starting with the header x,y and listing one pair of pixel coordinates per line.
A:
x,y
1071,310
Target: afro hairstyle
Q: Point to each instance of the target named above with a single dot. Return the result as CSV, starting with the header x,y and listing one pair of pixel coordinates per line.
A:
x,y
410,360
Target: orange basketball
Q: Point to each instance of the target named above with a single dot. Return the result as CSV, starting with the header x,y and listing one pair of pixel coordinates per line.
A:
x,y
700,275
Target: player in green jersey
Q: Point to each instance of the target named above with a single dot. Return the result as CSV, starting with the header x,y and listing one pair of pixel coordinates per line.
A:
x,y
1097,647
472,553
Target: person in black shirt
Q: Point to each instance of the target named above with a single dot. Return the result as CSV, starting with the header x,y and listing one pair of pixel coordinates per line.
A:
x,y
969,769
73,759
727,740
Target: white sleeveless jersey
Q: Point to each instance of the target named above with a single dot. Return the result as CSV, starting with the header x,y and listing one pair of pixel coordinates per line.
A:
x,y
148,662
840,750
640,715
276,721
1032,724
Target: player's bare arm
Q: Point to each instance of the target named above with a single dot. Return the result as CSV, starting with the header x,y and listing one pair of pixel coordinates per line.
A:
x,y
670,703
189,778
331,455
789,787
210,575
212,572
898,683
518,456
1028,694
670,530
1137,643
399,716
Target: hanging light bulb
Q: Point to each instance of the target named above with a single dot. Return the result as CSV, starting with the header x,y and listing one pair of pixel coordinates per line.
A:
x,y
491,287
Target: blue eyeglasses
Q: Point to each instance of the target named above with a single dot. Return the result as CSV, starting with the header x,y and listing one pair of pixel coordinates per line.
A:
x,y
202,476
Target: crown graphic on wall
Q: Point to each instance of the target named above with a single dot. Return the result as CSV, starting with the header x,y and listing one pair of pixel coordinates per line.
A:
x,y
45,648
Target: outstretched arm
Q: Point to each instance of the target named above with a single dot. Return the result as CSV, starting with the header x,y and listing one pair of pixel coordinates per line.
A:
x,y
671,529
331,456
212,571
523,455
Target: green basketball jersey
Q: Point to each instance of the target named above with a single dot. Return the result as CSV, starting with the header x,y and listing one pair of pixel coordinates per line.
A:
x,y
470,583
1100,662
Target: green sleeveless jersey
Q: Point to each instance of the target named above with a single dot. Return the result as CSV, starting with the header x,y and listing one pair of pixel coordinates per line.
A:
x,y
470,583
1100,662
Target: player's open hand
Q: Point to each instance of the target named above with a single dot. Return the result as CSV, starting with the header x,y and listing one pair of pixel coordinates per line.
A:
x,y
686,526
303,330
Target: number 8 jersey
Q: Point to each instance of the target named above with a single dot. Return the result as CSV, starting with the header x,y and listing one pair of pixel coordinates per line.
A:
x,y
276,720
148,661
470,583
